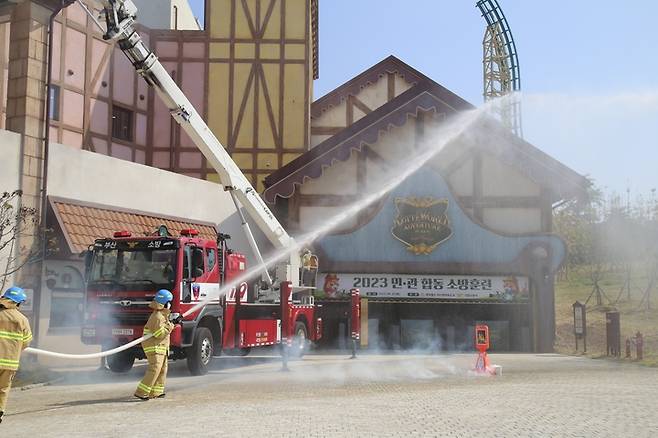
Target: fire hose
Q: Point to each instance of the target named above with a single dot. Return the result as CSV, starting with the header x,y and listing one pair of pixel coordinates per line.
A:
x,y
39,352
102,354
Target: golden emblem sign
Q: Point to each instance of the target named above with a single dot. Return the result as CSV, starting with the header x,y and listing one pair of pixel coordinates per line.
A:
x,y
422,224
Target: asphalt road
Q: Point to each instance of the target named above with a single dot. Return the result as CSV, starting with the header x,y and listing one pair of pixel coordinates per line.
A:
x,y
329,395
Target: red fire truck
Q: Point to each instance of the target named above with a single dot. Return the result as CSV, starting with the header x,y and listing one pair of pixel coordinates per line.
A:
x,y
125,271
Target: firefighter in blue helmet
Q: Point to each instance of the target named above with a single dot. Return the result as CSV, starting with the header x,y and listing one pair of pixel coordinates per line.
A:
x,y
15,336
156,348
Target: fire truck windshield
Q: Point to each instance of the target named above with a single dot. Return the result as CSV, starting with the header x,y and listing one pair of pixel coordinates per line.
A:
x,y
133,269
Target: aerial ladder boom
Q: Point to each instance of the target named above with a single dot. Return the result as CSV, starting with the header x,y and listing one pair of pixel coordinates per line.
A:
x,y
120,16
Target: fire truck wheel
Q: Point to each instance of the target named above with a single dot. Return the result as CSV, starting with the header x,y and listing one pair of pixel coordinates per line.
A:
x,y
121,362
199,355
300,341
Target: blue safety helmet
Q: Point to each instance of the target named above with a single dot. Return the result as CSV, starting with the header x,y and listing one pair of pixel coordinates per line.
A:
x,y
16,294
163,297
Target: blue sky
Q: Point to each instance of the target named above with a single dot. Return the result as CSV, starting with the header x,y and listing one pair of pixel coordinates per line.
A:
x,y
589,70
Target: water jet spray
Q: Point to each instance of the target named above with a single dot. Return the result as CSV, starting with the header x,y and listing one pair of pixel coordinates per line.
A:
x,y
448,132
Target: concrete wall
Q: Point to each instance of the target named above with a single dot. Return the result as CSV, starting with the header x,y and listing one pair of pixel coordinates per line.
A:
x,y
4,71
90,177
10,151
10,155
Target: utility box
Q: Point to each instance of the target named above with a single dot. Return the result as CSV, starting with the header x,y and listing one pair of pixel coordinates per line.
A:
x,y
613,333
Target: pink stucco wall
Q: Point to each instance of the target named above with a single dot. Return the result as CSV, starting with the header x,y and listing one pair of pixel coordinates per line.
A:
x,y
193,85
161,159
140,129
74,61
81,60
162,117
121,151
100,66
57,51
166,49
194,50
99,113
124,79
99,146
71,138
73,108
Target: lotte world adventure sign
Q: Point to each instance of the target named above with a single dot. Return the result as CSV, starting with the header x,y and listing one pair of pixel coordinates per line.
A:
x,y
421,224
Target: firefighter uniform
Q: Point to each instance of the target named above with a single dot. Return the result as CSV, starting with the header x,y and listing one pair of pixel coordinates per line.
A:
x,y
15,336
156,349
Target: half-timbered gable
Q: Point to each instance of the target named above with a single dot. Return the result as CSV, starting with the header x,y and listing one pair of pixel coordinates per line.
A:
x,y
486,196
359,97
501,181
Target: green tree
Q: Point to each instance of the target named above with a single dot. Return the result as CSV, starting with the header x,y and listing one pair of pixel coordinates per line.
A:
x,y
575,221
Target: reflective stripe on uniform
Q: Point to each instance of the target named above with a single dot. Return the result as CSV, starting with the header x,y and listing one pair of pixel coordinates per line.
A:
x,y
8,363
144,388
27,337
159,332
14,336
156,349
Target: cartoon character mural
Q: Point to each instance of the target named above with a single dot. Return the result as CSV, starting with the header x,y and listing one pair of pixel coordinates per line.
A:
x,y
512,291
330,287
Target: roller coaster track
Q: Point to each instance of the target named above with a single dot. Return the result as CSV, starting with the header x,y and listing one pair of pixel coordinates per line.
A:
x,y
502,76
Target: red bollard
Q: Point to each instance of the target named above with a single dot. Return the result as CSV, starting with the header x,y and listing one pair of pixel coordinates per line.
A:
x,y
355,321
286,336
639,345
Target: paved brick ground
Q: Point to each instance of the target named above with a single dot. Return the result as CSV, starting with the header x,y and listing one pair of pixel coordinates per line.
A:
x,y
377,395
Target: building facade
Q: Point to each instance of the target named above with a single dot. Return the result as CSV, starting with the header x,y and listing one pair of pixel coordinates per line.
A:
x,y
465,237
254,62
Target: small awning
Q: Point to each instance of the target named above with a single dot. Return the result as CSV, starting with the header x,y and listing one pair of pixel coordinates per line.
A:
x,y
82,223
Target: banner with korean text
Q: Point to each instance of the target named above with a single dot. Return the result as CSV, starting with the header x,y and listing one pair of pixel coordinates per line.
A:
x,y
458,287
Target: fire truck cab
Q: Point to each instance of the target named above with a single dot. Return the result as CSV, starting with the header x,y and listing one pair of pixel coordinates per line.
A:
x,y
124,273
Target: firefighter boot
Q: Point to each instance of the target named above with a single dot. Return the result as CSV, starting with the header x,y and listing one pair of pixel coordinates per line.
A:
x,y
1,414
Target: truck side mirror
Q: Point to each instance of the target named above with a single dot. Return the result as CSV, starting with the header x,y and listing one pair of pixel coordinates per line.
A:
x,y
187,292
188,264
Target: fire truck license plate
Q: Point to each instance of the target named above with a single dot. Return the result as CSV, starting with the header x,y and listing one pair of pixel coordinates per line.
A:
x,y
125,332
